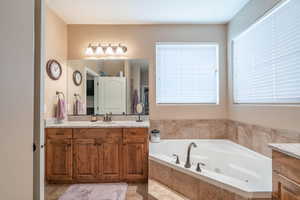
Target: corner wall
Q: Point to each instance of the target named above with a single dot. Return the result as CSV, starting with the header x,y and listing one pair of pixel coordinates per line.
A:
x,y
56,48
273,116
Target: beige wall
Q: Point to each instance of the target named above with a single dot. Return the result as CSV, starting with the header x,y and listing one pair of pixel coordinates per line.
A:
x,y
285,117
140,40
17,99
56,48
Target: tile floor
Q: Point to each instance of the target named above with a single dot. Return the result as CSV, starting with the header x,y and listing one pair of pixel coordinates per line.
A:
x,y
157,191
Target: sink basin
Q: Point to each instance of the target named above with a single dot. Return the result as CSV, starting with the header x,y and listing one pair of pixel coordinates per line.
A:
x,y
102,122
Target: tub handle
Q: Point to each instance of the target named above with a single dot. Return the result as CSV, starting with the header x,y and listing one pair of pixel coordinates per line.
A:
x,y
177,158
198,169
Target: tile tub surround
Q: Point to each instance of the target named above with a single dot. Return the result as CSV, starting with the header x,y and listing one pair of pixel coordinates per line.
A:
x,y
191,129
189,186
257,137
252,136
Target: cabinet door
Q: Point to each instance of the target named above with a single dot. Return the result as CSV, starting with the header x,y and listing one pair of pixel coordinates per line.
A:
x,y
111,161
135,154
85,159
59,159
109,156
284,188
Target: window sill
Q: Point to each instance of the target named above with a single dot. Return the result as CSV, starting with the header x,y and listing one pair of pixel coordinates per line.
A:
x,y
188,104
265,105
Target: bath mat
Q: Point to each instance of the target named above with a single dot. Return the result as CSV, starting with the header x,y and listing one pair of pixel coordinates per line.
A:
x,y
105,191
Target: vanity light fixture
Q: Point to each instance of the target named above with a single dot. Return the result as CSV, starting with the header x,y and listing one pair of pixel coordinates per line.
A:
x,y
120,50
99,50
109,50
89,51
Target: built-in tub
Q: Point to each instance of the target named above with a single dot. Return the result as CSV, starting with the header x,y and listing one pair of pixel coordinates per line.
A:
x,y
228,166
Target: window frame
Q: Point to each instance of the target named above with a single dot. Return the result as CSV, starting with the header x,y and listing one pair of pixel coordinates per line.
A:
x,y
217,45
232,72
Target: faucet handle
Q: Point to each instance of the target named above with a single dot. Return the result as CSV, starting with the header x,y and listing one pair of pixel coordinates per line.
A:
x,y
177,158
198,169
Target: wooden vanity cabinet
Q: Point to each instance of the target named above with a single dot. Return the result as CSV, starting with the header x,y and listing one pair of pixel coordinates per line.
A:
x,y
59,159
97,155
286,177
135,154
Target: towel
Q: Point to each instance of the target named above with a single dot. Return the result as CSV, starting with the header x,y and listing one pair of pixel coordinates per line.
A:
x,y
78,107
60,113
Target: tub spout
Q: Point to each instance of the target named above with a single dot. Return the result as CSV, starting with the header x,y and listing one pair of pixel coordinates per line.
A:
x,y
188,161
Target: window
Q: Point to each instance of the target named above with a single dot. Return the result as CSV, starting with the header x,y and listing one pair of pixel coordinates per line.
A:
x,y
186,73
266,58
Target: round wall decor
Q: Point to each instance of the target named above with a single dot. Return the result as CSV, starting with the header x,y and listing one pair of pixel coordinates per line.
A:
x,y
77,77
53,69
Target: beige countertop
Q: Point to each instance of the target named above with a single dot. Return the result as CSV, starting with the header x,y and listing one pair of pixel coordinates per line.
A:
x,y
98,124
291,149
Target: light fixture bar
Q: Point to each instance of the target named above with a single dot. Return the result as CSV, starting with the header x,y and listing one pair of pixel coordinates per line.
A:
x,y
108,50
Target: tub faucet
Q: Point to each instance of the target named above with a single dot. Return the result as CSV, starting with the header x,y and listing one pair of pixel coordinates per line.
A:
x,y
188,162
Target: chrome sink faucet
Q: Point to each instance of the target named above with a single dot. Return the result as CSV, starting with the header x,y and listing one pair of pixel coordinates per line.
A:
x,y
107,117
188,161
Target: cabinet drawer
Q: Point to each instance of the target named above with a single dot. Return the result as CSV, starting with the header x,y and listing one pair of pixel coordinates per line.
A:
x,y
59,133
102,134
286,166
135,135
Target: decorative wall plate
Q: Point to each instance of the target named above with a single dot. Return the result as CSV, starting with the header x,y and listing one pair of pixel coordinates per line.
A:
x,y
77,77
54,69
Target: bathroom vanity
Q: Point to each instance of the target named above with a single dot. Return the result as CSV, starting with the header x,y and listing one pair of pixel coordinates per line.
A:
x,y
286,172
78,152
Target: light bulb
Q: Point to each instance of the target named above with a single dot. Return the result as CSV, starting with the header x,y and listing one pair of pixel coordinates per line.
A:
x,y
109,50
119,50
89,51
99,50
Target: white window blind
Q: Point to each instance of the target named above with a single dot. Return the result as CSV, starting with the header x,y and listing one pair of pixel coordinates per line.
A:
x,y
186,73
266,58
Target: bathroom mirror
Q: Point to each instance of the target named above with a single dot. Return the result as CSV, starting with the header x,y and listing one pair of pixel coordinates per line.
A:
x,y
108,86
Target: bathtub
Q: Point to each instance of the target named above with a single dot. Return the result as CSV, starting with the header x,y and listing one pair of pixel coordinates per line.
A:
x,y
228,166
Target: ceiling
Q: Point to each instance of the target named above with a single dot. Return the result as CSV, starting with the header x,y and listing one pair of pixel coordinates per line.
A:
x,y
146,11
